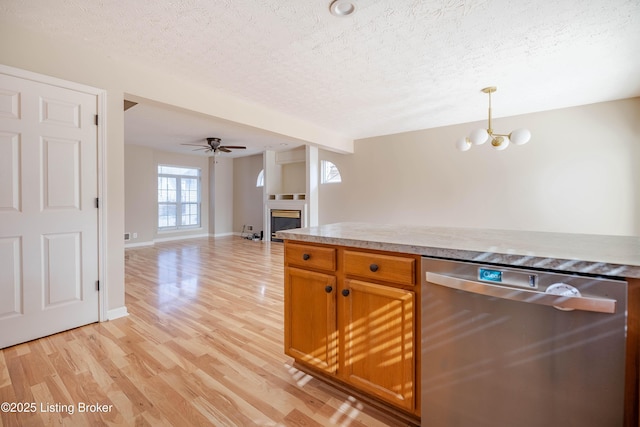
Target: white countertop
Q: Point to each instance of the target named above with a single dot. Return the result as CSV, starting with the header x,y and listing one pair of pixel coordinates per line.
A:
x,y
581,253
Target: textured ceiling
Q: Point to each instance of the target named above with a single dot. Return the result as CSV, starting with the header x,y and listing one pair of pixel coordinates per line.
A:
x,y
393,66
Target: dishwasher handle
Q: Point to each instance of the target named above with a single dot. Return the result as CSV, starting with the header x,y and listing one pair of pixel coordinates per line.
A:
x,y
599,305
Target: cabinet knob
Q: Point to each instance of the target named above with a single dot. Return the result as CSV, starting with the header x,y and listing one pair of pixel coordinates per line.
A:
x,y
373,267
306,256
345,292
328,289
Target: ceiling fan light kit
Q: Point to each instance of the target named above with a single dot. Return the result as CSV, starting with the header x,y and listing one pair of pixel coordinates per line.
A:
x,y
214,144
498,141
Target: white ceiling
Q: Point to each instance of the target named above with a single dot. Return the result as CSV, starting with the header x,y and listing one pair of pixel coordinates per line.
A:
x,y
393,66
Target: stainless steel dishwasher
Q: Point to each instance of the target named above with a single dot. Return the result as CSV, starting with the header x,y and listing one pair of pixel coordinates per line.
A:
x,y
507,347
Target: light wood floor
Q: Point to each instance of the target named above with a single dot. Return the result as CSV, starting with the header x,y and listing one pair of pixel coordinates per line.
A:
x,y
202,345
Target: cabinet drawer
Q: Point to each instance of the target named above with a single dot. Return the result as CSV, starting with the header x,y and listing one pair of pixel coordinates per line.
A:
x,y
389,268
311,256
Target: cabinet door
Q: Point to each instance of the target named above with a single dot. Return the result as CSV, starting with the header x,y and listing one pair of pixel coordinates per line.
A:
x,y
379,355
310,322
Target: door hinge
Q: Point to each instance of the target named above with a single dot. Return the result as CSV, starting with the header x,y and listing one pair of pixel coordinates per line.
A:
x,y
97,202
97,285
96,120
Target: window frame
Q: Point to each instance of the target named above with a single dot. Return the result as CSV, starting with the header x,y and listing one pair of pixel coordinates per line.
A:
x,y
260,179
164,172
325,177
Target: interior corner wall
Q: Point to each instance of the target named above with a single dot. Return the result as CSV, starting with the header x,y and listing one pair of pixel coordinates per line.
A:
x,y
221,202
248,199
140,194
578,174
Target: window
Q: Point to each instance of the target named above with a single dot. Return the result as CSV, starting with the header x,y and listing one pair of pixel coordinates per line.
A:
x,y
260,180
330,173
178,197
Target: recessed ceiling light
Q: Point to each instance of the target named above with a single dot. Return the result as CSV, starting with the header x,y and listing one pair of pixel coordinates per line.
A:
x,y
342,8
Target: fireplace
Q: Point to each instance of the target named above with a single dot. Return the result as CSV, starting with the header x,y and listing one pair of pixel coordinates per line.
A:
x,y
284,219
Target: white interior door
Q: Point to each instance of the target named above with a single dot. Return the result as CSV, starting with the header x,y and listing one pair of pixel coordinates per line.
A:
x,y
48,215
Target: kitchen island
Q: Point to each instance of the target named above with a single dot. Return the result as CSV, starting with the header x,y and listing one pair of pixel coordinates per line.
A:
x,y
617,256
369,274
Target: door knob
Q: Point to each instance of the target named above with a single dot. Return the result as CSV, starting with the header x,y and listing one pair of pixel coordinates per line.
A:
x,y
373,267
328,289
306,256
345,292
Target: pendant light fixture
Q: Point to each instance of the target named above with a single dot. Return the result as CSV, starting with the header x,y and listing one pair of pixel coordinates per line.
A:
x,y
498,141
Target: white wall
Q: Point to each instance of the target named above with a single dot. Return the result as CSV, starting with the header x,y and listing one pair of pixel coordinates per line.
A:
x,y
221,197
248,200
294,177
579,174
140,195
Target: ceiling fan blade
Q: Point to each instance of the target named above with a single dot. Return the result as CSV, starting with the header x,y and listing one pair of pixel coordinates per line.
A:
x,y
233,147
196,145
201,148
224,149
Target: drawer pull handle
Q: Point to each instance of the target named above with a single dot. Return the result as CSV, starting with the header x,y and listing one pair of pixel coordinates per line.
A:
x,y
328,289
306,256
373,267
345,292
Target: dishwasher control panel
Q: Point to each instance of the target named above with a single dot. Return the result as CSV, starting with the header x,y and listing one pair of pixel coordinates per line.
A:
x,y
508,277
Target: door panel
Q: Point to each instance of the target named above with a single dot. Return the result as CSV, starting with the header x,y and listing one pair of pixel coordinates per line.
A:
x,y
61,174
10,282
310,323
379,337
59,112
9,172
62,266
48,217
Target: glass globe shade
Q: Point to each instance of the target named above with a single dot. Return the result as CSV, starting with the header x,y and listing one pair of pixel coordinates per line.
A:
x,y
463,144
478,136
520,136
500,143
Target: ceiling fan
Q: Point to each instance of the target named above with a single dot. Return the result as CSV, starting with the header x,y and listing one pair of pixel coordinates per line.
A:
x,y
214,144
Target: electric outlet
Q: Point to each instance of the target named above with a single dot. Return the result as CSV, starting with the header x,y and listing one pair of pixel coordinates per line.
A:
x,y
250,227
135,235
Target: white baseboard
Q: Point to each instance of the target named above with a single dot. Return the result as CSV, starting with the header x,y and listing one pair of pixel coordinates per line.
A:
x,y
189,236
137,245
117,313
163,239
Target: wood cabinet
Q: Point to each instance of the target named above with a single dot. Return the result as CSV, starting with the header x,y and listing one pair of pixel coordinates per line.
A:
x,y
378,333
310,322
352,314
